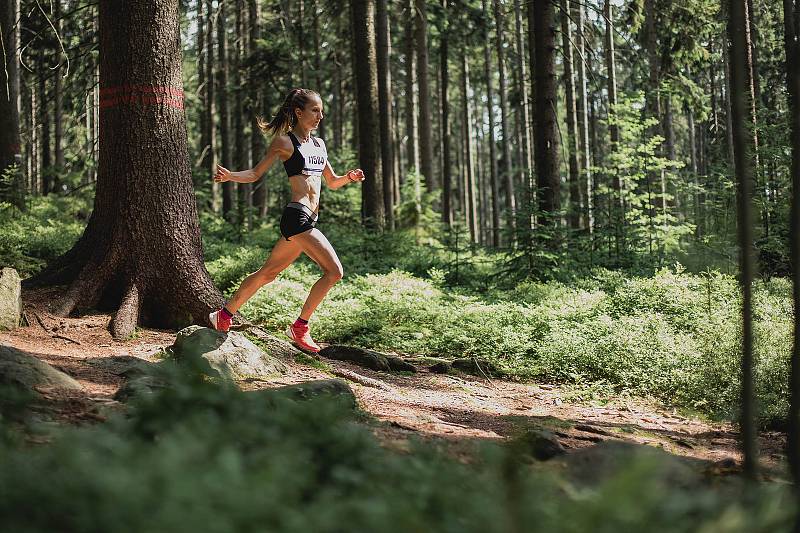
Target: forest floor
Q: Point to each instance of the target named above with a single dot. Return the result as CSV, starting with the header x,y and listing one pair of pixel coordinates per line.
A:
x,y
455,410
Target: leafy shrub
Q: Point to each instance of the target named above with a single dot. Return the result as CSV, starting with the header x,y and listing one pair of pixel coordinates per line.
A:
x,y
199,457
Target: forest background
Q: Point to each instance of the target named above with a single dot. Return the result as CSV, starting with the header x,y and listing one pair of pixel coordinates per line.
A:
x,y
551,186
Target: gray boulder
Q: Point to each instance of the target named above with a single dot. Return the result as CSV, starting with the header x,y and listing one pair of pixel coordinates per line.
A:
x,y
228,355
10,298
21,370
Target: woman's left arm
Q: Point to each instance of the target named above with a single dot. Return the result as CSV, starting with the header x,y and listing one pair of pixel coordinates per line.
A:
x,y
334,181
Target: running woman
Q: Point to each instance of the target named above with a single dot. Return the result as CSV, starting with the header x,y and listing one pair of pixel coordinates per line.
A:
x,y
306,162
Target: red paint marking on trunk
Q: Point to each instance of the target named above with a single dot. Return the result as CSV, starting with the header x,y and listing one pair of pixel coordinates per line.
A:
x,y
140,95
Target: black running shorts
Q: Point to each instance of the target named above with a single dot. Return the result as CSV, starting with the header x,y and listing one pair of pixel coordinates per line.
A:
x,y
296,218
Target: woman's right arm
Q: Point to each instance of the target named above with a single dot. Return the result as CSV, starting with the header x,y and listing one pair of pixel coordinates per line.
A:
x,y
276,148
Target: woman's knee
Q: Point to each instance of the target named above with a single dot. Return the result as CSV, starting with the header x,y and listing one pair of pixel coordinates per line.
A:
x,y
335,273
265,275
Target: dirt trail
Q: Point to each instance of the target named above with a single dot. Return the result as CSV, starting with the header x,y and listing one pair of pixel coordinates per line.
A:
x,y
426,404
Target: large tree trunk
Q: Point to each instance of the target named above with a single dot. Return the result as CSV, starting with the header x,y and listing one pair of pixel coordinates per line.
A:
x,y
541,21
385,105
574,213
425,135
508,179
791,16
494,179
365,63
743,146
447,186
141,249
10,149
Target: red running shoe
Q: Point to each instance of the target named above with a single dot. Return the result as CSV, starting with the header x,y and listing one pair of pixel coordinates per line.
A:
x,y
218,321
301,337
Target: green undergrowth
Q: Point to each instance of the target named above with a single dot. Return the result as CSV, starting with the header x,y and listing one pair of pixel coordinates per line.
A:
x,y
200,457
674,336
46,229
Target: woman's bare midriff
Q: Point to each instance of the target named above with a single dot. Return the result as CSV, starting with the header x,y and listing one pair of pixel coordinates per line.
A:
x,y
305,190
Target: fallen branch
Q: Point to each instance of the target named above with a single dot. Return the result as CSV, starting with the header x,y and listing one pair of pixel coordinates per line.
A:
x,y
59,336
358,378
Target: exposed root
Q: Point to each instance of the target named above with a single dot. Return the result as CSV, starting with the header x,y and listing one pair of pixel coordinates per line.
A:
x,y
89,284
124,322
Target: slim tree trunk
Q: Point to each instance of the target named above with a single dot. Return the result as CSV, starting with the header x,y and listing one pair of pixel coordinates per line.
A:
x,y
257,148
617,203
526,176
506,176
365,63
211,103
743,146
583,118
141,251
385,105
46,169
412,118
58,99
574,213
425,135
318,56
470,196
240,148
226,154
541,21
444,54
10,148
791,17
494,179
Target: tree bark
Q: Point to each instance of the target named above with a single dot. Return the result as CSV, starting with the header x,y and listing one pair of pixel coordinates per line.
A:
x,y
365,63
743,146
424,124
412,118
575,209
541,21
385,105
58,99
141,249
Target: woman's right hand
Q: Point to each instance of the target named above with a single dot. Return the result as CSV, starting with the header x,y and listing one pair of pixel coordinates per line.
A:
x,y
222,175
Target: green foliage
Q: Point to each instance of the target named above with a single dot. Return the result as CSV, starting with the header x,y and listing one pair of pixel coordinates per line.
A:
x,y
48,228
200,457
673,336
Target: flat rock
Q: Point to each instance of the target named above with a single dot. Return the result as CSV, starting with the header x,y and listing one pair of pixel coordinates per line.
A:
x,y
20,369
229,355
10,298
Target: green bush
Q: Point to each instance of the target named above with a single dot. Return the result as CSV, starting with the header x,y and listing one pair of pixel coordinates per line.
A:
x,y
198,457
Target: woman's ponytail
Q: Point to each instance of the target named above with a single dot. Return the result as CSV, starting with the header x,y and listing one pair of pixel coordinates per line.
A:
x,y
286,118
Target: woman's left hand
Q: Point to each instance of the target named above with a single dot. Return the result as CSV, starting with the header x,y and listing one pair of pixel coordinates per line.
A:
x,y
356,175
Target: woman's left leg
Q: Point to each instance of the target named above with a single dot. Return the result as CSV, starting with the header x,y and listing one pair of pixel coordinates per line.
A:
x,y
316,246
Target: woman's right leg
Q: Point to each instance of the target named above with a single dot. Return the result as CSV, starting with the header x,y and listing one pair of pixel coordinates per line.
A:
x,y
283,254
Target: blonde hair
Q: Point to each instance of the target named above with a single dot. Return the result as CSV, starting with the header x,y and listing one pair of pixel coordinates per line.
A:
x,y
286,118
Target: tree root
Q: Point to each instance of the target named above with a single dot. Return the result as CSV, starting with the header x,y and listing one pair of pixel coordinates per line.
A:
x,y
127,316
